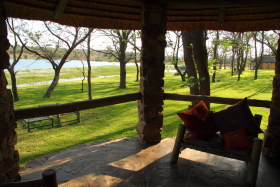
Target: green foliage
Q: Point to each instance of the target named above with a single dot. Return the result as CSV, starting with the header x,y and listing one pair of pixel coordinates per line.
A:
x,y
191,81
212,63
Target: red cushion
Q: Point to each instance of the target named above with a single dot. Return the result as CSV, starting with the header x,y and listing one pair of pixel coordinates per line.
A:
x,y
235,117
199,121
237,139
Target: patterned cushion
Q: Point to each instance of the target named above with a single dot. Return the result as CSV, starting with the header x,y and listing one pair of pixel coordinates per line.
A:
x,y
235,117
199,121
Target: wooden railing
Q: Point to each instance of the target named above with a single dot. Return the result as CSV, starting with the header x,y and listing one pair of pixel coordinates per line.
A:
x,y
74,106
94,103
219,100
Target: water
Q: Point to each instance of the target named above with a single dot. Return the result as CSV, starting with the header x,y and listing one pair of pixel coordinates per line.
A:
x,y
60,80
25,64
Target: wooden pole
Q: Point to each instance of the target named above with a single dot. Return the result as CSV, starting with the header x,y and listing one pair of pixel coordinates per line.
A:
x,y
211,99
253,164
271,146
177,146
49,177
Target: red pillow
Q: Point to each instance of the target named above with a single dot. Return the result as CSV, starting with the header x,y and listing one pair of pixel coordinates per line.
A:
x,y
199,121
237,139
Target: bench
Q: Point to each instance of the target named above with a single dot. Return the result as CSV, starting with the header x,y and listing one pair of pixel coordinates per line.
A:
x,y
76,117
38,119
250,156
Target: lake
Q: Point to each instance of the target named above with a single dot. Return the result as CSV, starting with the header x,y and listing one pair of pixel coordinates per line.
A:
x,y
25,64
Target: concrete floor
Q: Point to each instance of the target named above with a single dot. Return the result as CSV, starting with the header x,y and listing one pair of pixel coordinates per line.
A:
x,y
129,162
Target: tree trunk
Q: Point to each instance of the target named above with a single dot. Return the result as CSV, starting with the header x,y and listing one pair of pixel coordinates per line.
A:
x,y
137,72
201,60
256,56
258,62
232,61
189,61
122,75
53,84
89,68
238,63
122,65
137,67
182,75
14,84
215,57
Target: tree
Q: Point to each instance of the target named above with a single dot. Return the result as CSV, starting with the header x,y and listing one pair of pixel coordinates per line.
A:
x,y
196,61
189,62
258,61
175,43
87,54
215,56
243,48
120,40
136,54
17,51
201,60
270,40
137,50
89,66
49,42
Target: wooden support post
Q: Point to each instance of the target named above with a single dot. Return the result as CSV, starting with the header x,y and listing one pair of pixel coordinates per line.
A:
x,y
60,9
271,147
154,18
177,146
253,165
78,116
49,178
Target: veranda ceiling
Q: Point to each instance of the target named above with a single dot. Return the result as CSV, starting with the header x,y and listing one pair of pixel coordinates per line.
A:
x,y
230,15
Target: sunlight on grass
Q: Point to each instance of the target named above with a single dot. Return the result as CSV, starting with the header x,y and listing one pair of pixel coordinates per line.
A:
x,y
119,121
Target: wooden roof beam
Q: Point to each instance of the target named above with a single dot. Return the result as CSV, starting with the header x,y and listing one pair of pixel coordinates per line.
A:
x,y
60,9
222,15
213,3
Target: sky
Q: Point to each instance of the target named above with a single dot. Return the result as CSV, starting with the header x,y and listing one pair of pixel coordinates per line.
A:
x,y
99,42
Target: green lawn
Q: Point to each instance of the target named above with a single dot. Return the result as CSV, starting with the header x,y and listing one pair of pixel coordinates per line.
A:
x,y
119,121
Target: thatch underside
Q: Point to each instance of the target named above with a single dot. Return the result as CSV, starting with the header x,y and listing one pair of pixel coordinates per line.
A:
x,y
126,14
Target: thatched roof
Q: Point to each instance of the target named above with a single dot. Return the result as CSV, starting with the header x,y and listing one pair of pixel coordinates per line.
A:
x,y
230,15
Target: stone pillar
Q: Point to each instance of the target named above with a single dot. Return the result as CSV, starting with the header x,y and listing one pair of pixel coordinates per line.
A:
x,y
154,18
9,157
271,147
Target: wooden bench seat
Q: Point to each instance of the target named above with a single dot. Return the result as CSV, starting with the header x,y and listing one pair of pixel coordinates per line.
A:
x,y
71,116
74,116
38,119
215,145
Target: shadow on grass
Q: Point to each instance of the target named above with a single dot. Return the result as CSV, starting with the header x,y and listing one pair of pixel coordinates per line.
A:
x,y
109,136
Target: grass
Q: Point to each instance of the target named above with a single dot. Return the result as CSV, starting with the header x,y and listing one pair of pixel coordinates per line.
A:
x,y
40,75
119,121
